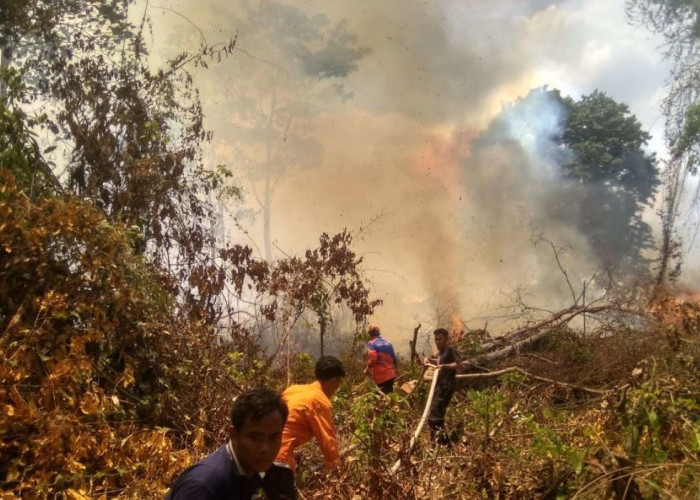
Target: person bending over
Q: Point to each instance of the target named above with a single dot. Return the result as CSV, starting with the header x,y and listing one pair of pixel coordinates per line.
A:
x,y
311,413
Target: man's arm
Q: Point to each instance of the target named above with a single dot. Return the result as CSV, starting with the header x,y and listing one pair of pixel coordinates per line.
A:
x,y
452,358
189,489
371,361
324,432
395,359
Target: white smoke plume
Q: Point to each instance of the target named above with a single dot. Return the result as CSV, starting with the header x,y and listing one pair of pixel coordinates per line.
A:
x,y
452,225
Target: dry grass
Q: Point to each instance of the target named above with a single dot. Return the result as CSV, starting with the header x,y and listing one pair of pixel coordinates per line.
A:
x,y
514,437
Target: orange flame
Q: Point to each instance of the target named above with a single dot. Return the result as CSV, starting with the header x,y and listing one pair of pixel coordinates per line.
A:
x,y
441,156
458,327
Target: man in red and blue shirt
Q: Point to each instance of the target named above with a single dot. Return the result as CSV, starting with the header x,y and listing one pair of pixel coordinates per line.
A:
x,y
381,360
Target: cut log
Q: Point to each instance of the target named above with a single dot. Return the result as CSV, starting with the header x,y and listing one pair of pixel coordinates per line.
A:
x,y
511,342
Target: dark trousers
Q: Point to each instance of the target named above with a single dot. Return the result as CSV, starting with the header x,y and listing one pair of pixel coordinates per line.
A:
x,y
387,387
436,416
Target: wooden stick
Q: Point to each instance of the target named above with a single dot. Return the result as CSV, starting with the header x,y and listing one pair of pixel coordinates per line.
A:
x,y
422,420
412,344
535,377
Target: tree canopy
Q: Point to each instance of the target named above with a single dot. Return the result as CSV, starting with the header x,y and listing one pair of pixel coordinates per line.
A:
x,y
597,147
678,22
117,133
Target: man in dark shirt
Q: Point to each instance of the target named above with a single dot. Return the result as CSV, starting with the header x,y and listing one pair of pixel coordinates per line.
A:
x,y
447,360
244,467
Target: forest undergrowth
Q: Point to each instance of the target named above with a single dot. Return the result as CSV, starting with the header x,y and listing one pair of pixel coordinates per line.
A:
x,y
623,423
110,388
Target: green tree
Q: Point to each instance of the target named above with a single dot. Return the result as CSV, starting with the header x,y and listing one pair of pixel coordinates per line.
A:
x,y
678,22
127,137
619,177
597,147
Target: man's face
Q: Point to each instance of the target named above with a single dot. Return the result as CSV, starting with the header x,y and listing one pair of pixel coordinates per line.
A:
x,y
257,442
333,385
440,341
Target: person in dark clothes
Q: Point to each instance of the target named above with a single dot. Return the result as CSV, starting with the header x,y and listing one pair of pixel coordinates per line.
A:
x,y
447,360
244,467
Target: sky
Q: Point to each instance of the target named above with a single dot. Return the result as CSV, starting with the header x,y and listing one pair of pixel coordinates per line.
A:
x,y
444,233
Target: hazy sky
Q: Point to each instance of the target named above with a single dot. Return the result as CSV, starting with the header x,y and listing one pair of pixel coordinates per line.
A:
x,y
450,230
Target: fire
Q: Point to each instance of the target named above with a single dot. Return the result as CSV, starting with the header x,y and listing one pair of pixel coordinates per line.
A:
x,y
441,156
680,308
457,328
690,296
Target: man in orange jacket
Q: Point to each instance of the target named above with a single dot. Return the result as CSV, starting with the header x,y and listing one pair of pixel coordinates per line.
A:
x,y
311,413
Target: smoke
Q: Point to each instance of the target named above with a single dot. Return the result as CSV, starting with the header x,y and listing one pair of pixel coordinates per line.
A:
x,y
444,220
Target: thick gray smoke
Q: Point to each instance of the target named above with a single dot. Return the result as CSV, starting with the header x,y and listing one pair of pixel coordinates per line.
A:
x,y
448,228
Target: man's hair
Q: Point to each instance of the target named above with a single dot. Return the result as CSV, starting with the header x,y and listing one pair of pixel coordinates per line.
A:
x,y
441,331
256,404
328,367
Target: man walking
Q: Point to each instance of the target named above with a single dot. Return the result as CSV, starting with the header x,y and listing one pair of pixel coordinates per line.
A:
x,y
447,360
381,360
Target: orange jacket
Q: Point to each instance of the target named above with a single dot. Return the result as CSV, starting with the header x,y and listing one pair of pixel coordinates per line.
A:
x,y
310,415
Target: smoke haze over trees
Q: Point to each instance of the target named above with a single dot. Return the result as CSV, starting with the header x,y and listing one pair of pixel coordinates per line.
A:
x,y
417,162
593,173
397,153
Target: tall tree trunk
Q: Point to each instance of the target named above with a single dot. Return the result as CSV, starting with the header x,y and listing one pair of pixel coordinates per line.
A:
x,y
5,57
267,209
674,179
322,324
269,173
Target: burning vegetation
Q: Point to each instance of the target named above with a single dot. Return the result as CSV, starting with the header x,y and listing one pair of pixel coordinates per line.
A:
x,y
129,318
108,393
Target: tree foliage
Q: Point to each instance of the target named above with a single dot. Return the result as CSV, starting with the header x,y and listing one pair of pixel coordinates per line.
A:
x,y
129,138
327,276
620,178
678,22
89,352
604,176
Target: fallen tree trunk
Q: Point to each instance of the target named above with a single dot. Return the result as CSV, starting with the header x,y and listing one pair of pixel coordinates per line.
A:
x,y
511,342
498,373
